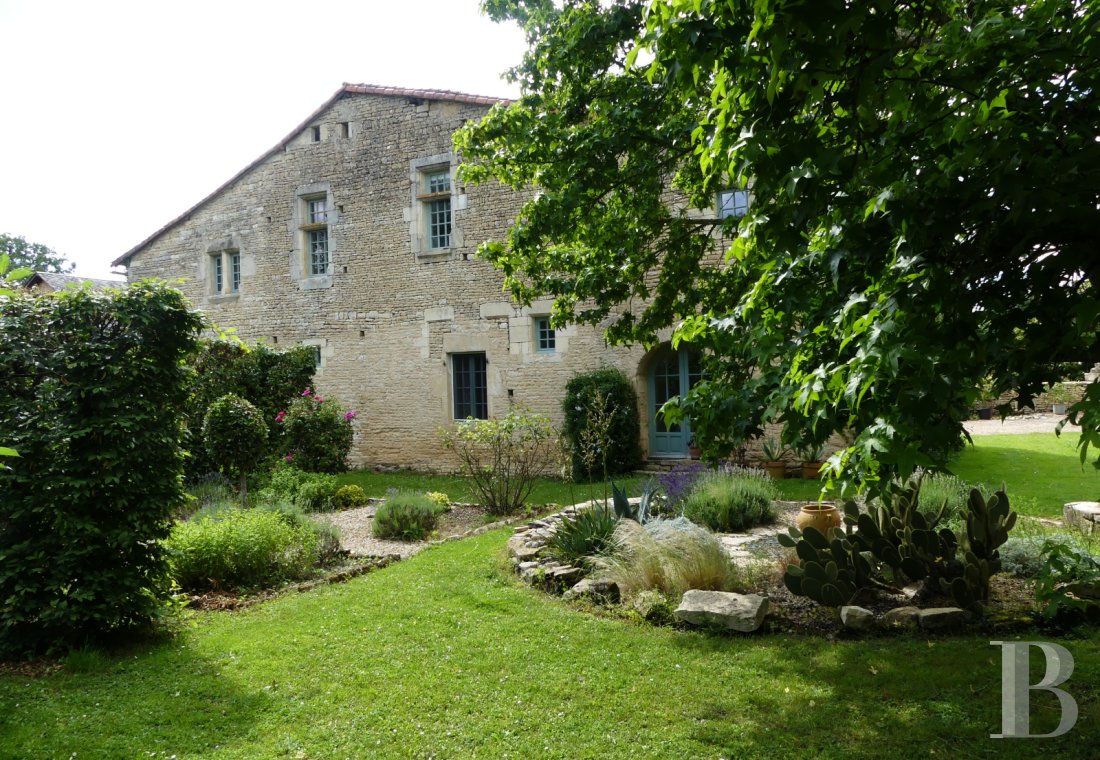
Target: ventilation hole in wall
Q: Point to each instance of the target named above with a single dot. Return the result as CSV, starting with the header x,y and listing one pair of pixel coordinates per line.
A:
x,y
362,333
345,270
269,219
511,393
274,338
465,257
315,134
340,208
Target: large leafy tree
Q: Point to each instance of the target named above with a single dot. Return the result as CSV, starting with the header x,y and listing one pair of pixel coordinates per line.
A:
x,y
924,185
33,256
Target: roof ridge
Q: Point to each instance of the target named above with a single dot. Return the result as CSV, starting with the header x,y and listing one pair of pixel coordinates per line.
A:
x,y
345,89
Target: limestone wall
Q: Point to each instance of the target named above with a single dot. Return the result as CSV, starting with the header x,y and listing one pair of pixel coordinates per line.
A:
x,y
389,313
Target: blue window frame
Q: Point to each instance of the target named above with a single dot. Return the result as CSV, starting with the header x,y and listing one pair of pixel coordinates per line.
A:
x,y
545,339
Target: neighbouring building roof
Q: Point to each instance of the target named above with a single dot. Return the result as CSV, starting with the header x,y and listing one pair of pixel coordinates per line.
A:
x,y
345,90
57,281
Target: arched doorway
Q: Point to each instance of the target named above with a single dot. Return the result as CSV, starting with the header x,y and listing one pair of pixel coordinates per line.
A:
x,y
671,373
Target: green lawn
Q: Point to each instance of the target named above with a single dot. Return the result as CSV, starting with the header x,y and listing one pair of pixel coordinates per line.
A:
x,y
445,655
1041,471
546,491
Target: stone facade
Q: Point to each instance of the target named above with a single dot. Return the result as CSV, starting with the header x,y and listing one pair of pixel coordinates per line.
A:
x,y
388,313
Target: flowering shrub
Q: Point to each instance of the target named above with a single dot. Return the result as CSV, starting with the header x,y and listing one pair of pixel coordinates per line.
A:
x,y
679,481
317,433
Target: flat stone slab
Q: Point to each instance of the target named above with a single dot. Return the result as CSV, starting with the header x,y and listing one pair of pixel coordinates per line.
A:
x,y
902,617
942,618
1083,515
736,612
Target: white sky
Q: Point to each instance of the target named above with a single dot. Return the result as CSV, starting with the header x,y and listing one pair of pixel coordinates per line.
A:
x,y
119,116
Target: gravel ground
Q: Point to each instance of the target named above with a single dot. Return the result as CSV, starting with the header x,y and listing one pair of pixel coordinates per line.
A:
x,y
1024,423
356,535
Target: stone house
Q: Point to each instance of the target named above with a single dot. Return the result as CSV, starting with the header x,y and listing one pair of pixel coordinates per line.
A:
x,y
353,235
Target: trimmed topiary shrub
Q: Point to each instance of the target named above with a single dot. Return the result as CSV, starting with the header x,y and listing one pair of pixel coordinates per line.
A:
x,y
601,424
406,516
241,548
728,501
317,433
267,378
235,436
91,387
348,496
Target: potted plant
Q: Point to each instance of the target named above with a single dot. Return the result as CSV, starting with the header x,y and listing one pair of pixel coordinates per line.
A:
x,y
811,460
774,463
987,395
1059,396
693,448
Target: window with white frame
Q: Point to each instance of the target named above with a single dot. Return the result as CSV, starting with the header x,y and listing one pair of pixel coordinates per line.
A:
x,y
733,203
315,231
435,197
545,339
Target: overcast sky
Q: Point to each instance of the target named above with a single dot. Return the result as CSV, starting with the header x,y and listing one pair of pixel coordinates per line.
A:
x,y
119,116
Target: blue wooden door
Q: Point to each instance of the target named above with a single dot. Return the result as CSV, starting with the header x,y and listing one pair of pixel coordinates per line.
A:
x,y
671,374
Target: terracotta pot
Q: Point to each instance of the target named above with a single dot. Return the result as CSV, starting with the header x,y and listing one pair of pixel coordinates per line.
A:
x,y
811,470
776,470
694,452
821,516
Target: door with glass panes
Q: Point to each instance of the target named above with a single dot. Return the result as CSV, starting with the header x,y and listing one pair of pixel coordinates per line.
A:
x,y
671,373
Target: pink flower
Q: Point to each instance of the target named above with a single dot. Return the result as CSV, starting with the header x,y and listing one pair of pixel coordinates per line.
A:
x,y
349,416
289,457
307,392
318,399
280,417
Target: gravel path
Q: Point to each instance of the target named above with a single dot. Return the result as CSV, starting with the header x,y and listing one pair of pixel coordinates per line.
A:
x,y
1024,423
357,537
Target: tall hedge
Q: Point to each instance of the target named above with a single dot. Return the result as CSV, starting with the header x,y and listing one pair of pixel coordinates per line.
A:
x,y
91,388
267,378
586,394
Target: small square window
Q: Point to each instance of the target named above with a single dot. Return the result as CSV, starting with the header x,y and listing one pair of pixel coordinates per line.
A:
x,y
316,211
545,339
315,134
733,203
316,356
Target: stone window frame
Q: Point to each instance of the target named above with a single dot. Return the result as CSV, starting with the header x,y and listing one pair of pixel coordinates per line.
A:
x,y
418,213
321,351
304,222
224,271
